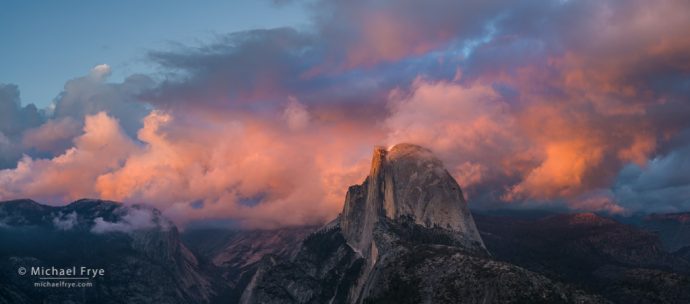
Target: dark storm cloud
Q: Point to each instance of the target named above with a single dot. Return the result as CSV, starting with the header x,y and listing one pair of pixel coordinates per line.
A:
x,y
240,68
25,130
14,120
91,94
663,185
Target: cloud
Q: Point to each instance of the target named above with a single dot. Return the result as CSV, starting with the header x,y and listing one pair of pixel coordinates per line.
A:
x,y
69,176
100,72
6,151
240,68
599,200
472,128
296,115
130,219
576,104
54,136
91,94
364,34
662,185
297,176
65,221
14,120
547,149
25,130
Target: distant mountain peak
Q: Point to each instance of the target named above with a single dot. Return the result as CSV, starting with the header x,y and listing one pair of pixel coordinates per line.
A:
x,y
406,182
581,219
94,215
405,235
410,151
92,201
681,217
22,203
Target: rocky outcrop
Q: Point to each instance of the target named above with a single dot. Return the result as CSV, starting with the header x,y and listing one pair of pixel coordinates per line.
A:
x,y
324,271
406,183
405,235
235,254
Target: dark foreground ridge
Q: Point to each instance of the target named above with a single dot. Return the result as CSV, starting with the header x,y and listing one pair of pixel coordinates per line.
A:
x,y
139,250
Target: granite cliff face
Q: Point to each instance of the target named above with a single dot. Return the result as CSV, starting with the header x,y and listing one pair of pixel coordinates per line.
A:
x,y
407,183
405,235
234,255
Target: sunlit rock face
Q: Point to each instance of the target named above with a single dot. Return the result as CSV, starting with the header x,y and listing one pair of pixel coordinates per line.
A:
x,y
407,183
405,236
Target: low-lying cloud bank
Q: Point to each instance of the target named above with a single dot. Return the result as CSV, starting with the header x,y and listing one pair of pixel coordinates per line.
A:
x,y
131,219
575,104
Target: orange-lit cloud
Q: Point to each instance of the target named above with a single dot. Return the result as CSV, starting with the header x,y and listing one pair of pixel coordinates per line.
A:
x,y
575,104
294,175
71,175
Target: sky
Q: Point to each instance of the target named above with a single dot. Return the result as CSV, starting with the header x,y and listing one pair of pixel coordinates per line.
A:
x,y
263,113
46,44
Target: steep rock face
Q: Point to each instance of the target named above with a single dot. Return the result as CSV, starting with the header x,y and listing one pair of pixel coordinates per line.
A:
x,y
235,254
424,190
405,236
235,250
323,271
406,183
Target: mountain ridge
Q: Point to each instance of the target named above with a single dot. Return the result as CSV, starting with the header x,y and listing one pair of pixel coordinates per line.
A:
x,y
139,250
405,235
409,222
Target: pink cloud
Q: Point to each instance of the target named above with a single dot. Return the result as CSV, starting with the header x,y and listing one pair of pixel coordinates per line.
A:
x,y
69,176
53,136
546,109
299,175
